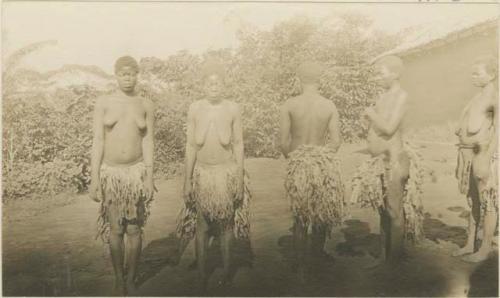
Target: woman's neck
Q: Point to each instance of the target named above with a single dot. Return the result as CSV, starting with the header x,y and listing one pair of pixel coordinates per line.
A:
x,y
214,101
309,88
128,93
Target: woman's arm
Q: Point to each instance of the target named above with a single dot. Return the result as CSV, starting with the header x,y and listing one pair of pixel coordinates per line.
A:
x,y
285,125
97,149
494,109
334,129
238,150
191,150
390,126
238,147
148,145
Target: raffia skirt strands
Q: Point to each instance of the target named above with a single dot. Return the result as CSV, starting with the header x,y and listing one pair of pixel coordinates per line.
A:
x,y
123,189
369,184
314,186
214,196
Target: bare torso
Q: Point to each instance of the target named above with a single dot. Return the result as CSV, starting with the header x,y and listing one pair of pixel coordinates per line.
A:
x,y
476,124
213,131
309,116
476,130
378,142
124,121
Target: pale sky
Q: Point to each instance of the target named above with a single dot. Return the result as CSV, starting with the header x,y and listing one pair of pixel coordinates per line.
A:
x,y
97,33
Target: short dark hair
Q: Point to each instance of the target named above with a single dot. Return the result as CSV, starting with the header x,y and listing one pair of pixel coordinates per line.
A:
x,y
211,67
309,71
126,61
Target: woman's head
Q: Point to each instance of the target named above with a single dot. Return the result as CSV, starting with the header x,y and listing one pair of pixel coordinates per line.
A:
x,y
213,75
126,70
484,70
388,69
309,72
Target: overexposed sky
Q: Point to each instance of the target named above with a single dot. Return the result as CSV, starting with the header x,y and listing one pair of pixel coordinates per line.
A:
x,y
97,33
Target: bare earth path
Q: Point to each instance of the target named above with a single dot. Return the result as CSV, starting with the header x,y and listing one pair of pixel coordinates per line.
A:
x,y
54,253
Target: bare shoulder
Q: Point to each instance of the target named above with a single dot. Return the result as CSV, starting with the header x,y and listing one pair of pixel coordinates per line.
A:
x,y
101,101
194,106
234,107
327,105
291,102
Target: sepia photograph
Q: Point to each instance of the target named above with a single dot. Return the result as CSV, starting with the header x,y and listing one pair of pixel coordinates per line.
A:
x,y
250,148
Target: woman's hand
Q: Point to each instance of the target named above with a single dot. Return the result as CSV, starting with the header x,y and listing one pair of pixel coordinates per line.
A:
x,y
95,191
149,187
188,190
240,189
369,113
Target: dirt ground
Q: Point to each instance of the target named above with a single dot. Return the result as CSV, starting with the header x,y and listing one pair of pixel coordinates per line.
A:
x,y
54,253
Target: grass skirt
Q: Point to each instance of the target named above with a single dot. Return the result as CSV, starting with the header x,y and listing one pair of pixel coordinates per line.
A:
x,y
123,189
214,196
369,184
314,186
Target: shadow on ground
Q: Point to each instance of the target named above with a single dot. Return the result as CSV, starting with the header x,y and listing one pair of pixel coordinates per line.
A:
x,y
435,229
484,279
168,252
359,240
158,254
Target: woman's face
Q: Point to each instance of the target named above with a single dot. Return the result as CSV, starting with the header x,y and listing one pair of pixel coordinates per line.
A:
x,y
480,77
213,86
127,78
384,76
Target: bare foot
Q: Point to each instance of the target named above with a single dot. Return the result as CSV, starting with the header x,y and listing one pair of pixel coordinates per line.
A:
x,y
477,257
463,251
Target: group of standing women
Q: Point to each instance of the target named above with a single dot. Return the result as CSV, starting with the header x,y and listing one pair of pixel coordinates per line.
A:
x,y
216,191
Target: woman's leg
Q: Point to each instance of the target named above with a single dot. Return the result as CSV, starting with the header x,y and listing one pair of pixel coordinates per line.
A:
x,y
394,206
489,219
116,246
134,247
201,250
318,239
300,247
227,237
474,217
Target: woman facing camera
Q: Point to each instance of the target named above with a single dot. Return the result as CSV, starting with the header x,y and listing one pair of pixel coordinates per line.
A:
x,y
122,171
215,190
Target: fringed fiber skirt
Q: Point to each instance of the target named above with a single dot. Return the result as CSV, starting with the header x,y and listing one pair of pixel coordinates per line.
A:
x,y
123,190
368,189
314,186
214,196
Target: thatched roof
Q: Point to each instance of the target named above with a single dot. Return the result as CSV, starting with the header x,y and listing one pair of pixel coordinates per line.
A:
x,y
443,32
